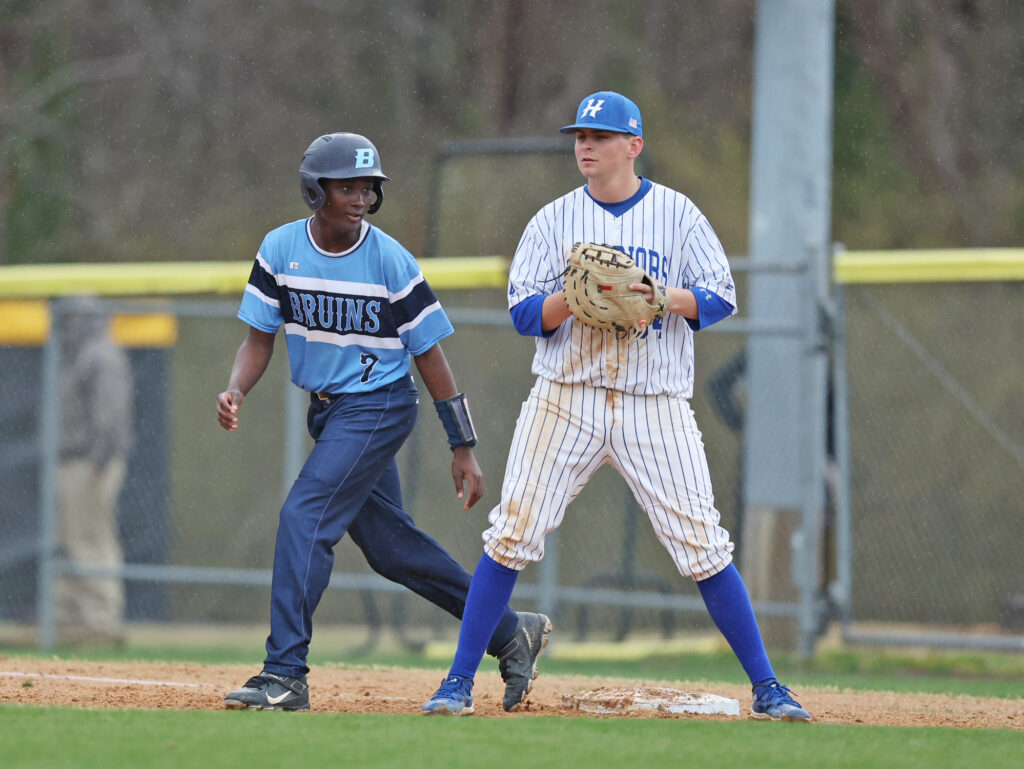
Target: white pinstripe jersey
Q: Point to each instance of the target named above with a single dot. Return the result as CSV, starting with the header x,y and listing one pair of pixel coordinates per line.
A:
x,y
671,239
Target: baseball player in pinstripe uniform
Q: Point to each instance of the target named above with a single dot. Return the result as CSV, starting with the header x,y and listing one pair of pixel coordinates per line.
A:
x,y
601,399
356,311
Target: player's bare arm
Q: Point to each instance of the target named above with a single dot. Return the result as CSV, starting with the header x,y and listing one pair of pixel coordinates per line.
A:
x,y
437,376
554,311
681,301
251,361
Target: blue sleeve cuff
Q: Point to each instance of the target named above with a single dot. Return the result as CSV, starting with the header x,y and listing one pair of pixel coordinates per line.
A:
x,y
711,308
527,316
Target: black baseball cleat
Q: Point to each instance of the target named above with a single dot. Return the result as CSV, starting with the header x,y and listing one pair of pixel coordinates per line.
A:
x,y
517,661
270,691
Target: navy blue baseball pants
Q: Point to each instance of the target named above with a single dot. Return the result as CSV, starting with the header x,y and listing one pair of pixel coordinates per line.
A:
x,y
350,483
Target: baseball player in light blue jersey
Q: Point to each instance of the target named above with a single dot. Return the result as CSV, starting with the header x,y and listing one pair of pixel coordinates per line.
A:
x,y
599,399
356,311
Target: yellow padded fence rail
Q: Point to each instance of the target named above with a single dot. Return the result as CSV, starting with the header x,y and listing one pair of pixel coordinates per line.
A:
x,y
930,265
24,289
176,278
167,278
26,323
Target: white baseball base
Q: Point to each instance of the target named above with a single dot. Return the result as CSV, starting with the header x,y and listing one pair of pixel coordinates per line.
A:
x,y
646,700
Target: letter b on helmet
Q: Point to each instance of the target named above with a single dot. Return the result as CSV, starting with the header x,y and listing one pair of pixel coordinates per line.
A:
x,y
364,158
339,156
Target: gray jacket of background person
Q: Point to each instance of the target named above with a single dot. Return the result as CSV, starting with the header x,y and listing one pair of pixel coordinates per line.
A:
x,y
96,390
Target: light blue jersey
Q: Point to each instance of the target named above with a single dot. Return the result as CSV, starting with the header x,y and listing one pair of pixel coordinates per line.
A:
x,y
352,320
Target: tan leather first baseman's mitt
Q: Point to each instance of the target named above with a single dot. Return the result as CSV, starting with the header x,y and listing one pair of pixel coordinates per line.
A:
x,y
597,291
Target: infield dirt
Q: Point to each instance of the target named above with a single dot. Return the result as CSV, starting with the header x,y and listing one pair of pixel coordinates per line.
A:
x,y
338,689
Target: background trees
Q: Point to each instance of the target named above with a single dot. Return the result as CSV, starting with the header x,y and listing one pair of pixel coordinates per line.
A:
x,y
173,130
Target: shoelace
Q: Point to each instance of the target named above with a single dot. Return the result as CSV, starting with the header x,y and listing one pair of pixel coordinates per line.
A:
x,y
775,692
452,687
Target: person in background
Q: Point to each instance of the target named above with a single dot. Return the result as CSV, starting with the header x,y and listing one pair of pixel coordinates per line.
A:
x,y
95,438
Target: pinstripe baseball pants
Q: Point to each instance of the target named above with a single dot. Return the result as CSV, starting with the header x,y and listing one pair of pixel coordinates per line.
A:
x,y
565,432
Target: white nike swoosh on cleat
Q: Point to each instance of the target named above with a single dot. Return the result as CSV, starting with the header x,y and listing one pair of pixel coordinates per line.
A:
x,y
278,699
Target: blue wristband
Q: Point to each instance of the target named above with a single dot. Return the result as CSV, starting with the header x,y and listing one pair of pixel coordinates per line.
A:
x,y
458,425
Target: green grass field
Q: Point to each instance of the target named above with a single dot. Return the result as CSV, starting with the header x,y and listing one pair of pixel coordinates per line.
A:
x,y
82,738
53,738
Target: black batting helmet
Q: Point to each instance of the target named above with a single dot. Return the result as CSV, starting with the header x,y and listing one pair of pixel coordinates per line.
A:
x,y
339,156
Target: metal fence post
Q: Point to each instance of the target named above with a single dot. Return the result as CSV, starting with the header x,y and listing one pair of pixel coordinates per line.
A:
x,y
841,590
295,403
49,425
547,582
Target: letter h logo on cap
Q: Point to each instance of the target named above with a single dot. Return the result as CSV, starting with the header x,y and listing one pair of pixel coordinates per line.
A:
x,y
593,106
607,111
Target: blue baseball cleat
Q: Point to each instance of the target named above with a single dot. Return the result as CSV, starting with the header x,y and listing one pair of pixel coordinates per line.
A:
x,y
454,698
772,700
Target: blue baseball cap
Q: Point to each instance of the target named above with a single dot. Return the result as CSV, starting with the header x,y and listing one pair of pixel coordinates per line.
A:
x,y
607,111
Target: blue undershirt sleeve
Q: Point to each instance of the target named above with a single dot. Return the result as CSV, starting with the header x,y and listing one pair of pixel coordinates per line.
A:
x,y
526,316
711,308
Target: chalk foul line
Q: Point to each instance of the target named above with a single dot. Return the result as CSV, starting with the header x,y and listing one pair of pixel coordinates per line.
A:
x,y
99,679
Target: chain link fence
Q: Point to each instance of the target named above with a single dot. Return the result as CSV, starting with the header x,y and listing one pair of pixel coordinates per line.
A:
x,y
198,512
925,549
935,464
